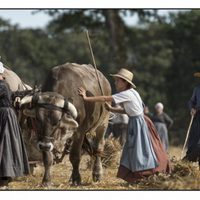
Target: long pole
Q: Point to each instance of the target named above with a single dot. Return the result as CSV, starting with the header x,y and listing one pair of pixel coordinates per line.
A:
x,y
186,139
92,54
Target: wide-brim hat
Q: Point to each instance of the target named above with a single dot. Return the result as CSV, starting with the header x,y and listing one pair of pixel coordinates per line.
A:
x,y
197,74
125,75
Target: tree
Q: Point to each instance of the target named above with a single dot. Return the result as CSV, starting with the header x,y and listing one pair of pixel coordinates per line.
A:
x,y
184,33
108,23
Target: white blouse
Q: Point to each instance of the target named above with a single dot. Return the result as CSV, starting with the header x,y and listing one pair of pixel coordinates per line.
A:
x,y
131,101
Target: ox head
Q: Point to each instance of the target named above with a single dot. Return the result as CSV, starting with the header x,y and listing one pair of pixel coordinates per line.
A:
x,y
51,112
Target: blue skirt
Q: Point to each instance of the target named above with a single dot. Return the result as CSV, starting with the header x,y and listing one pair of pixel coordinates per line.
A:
x,y
138,153
163,133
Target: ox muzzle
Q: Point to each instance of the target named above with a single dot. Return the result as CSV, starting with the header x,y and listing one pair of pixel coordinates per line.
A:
x,y
44,146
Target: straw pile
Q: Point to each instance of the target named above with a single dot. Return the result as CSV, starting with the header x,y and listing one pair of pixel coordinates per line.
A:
x,y
110,156
184,175
111,153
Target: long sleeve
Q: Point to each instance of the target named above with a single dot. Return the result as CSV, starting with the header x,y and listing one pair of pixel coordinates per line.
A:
x,y
193,100
5,95
168,120
3,89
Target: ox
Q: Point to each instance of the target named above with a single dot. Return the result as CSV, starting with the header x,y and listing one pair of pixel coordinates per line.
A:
x,y
91,117
14,82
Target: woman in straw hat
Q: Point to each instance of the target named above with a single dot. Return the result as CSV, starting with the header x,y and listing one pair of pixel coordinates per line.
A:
x,y
140,157
13,157
193,146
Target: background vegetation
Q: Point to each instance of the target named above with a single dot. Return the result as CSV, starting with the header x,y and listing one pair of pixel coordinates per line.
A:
x,y
162,51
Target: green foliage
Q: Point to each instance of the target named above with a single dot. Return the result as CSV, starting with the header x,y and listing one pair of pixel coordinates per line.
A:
x,y
150,57
184,35
163,52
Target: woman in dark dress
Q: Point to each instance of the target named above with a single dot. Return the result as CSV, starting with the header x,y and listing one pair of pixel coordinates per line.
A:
x,y
162,122
13,156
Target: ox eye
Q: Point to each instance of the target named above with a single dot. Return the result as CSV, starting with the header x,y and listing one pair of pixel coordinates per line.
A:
x,y
55,118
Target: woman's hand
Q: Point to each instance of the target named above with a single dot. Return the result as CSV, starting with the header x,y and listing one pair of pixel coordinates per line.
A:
x,y
82,92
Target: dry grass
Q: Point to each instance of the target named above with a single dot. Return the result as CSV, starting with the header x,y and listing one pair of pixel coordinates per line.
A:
x,y
110,156
185,176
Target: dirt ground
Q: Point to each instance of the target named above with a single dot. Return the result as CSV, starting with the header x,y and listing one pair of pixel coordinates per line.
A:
x,y
186,176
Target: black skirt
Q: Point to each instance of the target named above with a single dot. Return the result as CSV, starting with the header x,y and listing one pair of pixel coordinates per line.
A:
x,y
13,156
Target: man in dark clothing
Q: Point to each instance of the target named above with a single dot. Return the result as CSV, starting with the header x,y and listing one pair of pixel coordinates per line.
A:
x,y
13,156
193,148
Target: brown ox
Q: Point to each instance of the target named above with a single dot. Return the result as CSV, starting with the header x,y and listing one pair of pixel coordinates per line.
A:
x,y
92,117
14,81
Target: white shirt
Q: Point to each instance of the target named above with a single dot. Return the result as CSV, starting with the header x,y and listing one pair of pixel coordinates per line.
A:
x,y
131,101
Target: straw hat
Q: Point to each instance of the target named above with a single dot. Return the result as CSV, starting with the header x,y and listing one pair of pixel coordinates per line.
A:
x,y
126,75
1,68
197,74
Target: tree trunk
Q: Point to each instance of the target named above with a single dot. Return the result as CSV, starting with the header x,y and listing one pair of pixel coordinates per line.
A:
x,y
116,39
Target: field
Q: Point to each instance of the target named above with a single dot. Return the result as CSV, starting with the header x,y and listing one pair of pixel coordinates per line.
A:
x,y
185,176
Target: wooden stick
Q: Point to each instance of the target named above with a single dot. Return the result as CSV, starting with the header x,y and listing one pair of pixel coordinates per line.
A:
x,y
186,139
91,51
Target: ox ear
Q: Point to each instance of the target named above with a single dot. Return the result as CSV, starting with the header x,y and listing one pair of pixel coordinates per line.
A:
x,y
71,108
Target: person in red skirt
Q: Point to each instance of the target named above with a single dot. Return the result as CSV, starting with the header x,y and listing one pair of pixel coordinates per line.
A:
x,y
143,153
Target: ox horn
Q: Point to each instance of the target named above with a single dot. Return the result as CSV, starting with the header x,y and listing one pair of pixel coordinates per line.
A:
x,y
69,106
25,100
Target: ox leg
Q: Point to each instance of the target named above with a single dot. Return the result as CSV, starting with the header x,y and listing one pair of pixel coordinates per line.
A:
x,y
97,172
75,158
99,142
48,161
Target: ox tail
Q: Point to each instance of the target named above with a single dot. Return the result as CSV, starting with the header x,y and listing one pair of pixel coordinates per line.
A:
x,y
88,146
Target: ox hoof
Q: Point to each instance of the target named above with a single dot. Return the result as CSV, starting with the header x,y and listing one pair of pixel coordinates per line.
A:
x,y
76,181
97,177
